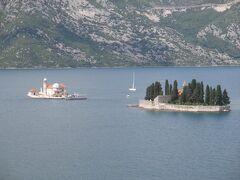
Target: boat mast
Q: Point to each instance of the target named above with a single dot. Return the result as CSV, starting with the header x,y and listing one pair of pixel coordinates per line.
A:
x,y
133,80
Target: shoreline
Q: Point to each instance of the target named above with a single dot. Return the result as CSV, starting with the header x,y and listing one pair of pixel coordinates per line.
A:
x,y
117,67
151,105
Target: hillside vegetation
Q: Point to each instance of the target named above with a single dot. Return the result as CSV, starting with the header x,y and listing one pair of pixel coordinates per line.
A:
x,y
75,33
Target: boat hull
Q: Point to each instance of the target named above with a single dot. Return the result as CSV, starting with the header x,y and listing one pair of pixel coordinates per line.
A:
x,y
44,97
132,89
78,98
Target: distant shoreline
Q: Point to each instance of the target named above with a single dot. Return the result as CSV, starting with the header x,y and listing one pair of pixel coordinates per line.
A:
x,y
115,67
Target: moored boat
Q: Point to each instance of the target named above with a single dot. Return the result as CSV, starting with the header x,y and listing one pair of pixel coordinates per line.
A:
x,y
133,88
75,96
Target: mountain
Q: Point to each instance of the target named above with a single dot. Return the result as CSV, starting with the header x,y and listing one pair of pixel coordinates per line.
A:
x,y
74,33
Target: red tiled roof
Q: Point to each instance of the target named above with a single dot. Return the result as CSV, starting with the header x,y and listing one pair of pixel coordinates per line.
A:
x,y
62,86
49,86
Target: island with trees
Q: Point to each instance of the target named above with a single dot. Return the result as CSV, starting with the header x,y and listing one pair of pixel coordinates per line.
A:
x,y
192,97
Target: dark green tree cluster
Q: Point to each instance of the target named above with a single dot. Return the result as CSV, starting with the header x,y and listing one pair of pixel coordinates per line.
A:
x,y
192,93
215,96
153,91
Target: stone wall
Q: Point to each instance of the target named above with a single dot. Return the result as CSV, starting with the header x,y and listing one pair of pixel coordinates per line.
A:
x,y
146,104
162,99
155,105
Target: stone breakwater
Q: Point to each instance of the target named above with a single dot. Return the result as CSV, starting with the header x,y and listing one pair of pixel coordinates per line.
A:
x,y
153,105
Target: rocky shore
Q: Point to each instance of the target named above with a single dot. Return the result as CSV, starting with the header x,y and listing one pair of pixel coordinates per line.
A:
x,y
155,105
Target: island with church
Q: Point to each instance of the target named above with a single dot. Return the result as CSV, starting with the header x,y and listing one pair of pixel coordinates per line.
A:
x,y
191,97
53,91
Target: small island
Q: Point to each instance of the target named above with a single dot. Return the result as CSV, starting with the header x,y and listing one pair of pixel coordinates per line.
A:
x,y
190,98
53,91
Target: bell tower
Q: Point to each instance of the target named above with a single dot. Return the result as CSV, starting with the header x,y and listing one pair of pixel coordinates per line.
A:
x,y
45,86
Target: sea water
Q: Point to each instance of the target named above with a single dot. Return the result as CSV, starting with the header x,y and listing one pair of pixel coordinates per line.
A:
x,y
102,138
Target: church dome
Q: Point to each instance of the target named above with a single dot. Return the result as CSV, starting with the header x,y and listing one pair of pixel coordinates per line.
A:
x,y
56,85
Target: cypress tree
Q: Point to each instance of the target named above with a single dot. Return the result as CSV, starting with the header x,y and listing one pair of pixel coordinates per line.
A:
x,y
214,96
211,96
167,88
218,96
156,89
174,94
160,90
170,89
193,84
189,93
202,93
152,92
211,100
183,98
225,98
207,95
196,97
147,97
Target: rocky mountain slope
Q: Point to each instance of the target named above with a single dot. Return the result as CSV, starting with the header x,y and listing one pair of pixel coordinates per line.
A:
x,y
73,33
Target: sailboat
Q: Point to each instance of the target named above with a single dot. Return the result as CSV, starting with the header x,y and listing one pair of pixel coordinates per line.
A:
x,y
133,88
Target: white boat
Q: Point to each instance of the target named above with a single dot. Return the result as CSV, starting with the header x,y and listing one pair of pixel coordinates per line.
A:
x,y
75,96
133,88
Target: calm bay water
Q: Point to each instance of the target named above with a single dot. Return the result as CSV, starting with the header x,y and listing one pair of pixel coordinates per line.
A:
x,y
102,138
